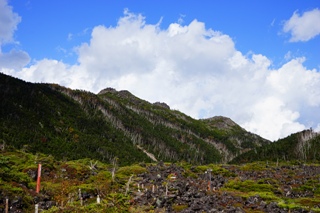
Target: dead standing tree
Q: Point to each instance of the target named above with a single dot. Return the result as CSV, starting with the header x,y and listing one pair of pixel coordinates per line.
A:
x,y
114,168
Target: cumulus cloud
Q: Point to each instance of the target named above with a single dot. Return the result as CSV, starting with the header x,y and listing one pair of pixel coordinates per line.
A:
x,y
304,27
15,59
8,22
196,70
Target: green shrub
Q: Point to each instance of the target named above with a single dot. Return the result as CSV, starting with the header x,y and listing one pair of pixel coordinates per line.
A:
x,y
129,170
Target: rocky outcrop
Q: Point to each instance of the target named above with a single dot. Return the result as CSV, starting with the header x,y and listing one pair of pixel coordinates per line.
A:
x,y
162,104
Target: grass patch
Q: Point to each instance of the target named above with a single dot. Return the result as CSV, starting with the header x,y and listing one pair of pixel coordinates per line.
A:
x,y
256,166
248,186
289,204
126,171
179,208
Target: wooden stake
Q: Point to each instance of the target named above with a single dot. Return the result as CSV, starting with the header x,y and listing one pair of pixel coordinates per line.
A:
x,y
36,208
98,199
7,205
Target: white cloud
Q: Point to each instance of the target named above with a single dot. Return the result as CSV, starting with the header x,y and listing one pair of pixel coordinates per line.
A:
x,y
317,129
288,56
70,36
14,59
272,23
8,22
193,69
304,27
270,116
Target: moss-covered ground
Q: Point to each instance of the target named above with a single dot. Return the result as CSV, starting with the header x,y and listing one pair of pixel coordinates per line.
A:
x,y
290,185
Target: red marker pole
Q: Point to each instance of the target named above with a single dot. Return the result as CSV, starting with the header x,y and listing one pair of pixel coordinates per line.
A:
x,y
38,179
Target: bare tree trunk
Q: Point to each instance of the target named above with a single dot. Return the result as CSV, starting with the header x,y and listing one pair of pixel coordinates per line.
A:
x,y
115,164
128,185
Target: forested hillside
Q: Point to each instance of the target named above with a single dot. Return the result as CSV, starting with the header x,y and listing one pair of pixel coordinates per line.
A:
x,y
75,124
302,146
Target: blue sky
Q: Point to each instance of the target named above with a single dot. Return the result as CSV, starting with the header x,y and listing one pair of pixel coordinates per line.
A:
x,y
255,26
256,62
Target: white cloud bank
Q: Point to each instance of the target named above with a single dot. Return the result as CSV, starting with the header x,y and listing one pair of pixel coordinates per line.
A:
x,y
193,69
304,27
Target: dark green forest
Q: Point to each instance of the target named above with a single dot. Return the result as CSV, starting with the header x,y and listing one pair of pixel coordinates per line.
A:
x,y
74,124
303,146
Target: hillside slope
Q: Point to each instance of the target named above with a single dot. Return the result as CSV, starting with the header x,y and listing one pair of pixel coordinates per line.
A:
x,y
75,124
301,146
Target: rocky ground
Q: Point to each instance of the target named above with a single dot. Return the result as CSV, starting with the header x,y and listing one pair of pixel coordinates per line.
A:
x,y
169,188
258,187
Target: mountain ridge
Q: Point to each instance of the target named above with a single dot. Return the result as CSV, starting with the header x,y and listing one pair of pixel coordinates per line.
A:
x,y
96,125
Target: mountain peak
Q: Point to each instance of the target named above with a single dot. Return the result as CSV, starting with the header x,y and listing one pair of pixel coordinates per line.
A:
x,y
221,122
161,104
107,90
